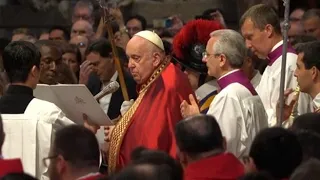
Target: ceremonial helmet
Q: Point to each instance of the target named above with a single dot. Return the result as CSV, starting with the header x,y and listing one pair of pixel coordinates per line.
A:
x,y
190,44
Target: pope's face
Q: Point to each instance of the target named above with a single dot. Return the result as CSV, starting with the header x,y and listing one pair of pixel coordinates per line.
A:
x,y
142,60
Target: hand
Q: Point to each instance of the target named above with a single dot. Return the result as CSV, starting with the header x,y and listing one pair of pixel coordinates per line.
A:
x,y
126,105
189,109
107,133
86,68
89,124
287,108
117,14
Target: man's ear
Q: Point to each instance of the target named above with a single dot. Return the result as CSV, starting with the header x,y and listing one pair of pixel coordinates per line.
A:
x,y
156,59
269,29
34,71
61,164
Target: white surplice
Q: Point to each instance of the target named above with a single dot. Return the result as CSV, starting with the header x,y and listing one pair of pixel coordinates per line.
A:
x,y
316,103
256,79
240,116
269,86
51,119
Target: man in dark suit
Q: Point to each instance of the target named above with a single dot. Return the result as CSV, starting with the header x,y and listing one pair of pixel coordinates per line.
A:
x,y
100,64
9,165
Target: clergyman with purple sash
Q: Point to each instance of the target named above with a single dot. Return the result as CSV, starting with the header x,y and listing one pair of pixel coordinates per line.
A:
x,y
237,107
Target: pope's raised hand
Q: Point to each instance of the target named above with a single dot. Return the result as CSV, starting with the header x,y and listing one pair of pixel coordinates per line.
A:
x,y
189,109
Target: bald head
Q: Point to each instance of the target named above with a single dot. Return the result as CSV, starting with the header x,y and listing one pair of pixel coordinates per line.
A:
x,y
198,134
82,27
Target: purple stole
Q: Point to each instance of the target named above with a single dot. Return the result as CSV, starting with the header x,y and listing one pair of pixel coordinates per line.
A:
x,y
236,77
274,55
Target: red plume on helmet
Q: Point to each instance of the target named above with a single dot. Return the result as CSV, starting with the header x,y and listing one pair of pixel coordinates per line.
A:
x,y
190,43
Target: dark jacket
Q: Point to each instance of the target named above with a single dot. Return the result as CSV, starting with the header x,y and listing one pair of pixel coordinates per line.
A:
x,y
94,85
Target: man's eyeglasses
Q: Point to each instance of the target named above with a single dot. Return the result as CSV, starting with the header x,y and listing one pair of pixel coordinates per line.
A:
x,y
205,55
46,161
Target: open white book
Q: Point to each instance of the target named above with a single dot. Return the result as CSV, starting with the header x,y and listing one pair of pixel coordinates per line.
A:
x,y
73,100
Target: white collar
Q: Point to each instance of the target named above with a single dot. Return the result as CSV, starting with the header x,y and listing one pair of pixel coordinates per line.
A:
x,y
316,101
277,45
230,72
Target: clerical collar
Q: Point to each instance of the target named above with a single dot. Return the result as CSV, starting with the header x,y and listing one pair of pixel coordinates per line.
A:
x,y
19,89
276,52
236,76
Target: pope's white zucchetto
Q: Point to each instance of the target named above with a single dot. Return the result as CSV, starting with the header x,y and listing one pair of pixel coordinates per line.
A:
x,y
152,37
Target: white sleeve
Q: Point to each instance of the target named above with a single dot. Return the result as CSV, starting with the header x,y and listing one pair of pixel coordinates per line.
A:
x,y
227,112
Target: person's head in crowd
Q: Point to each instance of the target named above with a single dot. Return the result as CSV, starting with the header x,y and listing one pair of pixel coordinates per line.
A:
x,y
82,28
301,39
249,64
22,34
136,24
310,143
65,75
82,42
146,53
215,14
308,121
260,26
189,45
308,68
17,176
225,51
21,61
44,35
311,22
99,53
145,171
51,56
296,26
198,137
309,170
75,153
83,10
3,43
142,155
59,33
257,176
276,151
72,57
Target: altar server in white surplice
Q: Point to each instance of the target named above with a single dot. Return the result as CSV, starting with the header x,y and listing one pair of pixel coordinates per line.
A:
x,y
260,27
21,61
237,107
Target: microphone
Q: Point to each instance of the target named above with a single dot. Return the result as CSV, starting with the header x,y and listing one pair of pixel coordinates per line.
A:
x,y
111,87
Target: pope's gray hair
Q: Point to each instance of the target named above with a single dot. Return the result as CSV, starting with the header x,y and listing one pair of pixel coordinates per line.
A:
x,y
231,44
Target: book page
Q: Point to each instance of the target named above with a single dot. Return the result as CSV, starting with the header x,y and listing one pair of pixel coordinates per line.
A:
x,y
75,100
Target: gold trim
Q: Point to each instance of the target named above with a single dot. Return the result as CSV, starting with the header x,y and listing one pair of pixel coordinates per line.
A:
x,y
121,127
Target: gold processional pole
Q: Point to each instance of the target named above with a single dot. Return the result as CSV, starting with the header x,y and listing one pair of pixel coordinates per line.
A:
x,y
107,19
